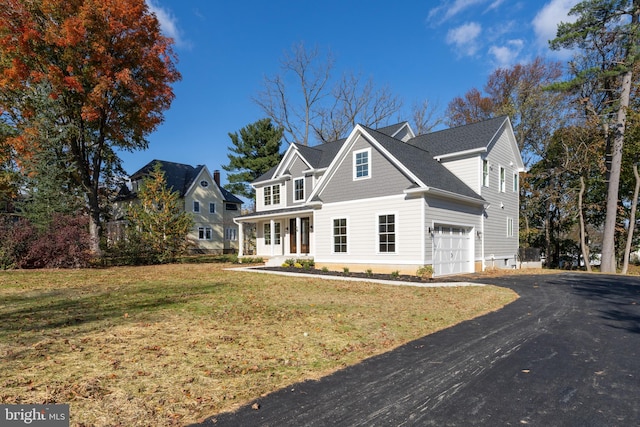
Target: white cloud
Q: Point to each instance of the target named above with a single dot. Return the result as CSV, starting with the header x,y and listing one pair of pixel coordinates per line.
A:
x,y
545,23
465,37
506,56
449,9
168,22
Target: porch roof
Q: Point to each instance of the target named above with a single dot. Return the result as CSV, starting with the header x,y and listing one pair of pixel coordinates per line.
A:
x,y
276,213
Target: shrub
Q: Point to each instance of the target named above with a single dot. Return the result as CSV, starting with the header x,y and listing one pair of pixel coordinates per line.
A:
x,y
297,265
425,272
395,274
345,270
289,262
63,244
325,269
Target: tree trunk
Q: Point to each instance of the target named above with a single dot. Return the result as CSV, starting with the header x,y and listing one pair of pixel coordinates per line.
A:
x,y
632,221
583,240
608,241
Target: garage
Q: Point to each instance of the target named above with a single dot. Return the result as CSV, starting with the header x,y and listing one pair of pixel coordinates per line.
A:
x,y
452,250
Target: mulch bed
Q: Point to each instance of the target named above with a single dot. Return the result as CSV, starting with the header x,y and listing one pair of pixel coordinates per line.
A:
x,y
377,276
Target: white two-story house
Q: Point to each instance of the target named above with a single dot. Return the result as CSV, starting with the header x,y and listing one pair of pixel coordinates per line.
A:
x,y
211,206
388,200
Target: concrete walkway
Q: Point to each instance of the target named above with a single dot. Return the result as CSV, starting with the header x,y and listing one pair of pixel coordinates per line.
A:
x,y
356,279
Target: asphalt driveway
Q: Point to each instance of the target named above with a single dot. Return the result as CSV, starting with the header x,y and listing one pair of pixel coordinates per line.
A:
x,y
566,353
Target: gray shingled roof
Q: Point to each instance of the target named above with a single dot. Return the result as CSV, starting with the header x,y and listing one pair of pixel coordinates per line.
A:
x,y
417,154
462,138
392,129
180,177
422,164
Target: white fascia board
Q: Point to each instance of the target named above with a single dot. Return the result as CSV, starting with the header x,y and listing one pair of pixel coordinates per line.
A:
x,y
447,194
196,180
277,180
336,160
461,153
266,215
393,160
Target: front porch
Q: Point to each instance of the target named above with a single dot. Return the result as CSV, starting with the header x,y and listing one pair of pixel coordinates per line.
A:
x,y
280,237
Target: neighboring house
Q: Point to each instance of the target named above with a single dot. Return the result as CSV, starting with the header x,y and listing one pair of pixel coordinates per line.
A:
x,y
388,200
212,207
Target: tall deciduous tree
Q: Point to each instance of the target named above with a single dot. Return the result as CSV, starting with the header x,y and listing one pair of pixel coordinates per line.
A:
x,y
109,70
158,223
256,149
607,36
305,101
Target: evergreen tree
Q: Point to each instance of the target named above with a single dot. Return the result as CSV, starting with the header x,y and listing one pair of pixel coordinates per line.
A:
x,y
158,224
256,149
607,36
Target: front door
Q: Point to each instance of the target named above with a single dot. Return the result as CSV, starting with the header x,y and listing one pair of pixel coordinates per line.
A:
x,y
293,236
304,235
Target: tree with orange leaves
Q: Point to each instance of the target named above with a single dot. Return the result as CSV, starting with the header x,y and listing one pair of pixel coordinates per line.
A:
x,y
109,71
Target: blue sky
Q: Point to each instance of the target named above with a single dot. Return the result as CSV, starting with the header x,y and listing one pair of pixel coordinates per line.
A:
x,y
432,50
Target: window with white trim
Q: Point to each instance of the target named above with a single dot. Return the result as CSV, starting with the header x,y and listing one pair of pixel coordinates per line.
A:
x,y
267,233
276,233
509,227
340,235
267,195
275,190
515,183
212,208
298,189
196,206
231,234
362,164
485,173
387,233
502,179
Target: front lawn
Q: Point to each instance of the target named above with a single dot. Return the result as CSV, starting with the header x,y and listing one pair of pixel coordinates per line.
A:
x,y
173,344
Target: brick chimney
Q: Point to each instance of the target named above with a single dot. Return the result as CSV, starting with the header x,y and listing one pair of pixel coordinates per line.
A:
x,y
216,177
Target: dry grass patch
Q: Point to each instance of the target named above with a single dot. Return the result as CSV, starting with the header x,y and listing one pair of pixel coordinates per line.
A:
x,y
170,345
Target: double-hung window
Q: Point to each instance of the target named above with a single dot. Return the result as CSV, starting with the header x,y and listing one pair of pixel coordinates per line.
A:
x,y
340,235
212,208
276,233
298,189
387,233
362,164
196,206
509,227
275,190
515,183
502,179
204,233
267,195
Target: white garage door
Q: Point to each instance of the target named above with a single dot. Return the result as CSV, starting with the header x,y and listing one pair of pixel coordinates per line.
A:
x,y
452,251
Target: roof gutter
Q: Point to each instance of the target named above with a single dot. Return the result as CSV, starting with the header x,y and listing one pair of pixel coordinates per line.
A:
x,y
444,193
461,153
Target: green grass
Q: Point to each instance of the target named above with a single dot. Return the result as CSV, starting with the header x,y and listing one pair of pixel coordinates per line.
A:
x,y
173,344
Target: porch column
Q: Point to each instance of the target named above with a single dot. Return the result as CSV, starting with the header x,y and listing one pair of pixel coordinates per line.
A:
x,y
298,235
240,239
272,232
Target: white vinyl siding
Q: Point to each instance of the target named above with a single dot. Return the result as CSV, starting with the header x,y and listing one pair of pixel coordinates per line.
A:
x,y
363,238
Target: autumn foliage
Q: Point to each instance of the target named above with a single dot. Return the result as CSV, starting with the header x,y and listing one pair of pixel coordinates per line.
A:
x,y
106,65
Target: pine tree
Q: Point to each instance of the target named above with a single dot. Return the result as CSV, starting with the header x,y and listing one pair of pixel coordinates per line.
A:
x,y
256,149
